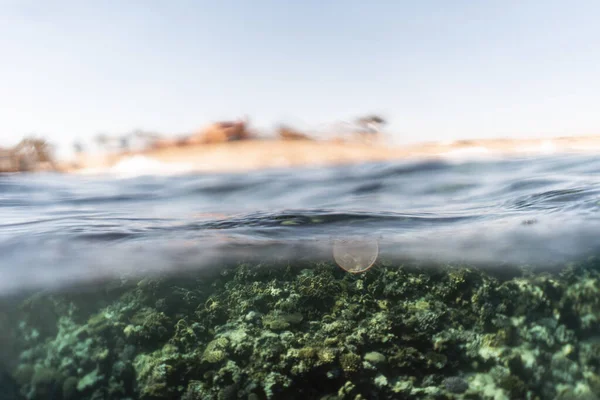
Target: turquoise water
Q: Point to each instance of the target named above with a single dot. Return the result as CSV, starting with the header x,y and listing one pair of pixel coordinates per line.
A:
x,y
225,285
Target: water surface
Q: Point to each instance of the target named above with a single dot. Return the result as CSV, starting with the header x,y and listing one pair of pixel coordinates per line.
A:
x,y
60,230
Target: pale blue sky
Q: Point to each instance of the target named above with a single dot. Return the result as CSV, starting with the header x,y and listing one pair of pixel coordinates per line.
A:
x,y
437,69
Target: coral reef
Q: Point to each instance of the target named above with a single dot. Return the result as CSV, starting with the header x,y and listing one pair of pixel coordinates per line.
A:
x,y
272,332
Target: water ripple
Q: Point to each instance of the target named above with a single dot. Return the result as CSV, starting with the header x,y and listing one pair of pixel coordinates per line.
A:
x,y
540,210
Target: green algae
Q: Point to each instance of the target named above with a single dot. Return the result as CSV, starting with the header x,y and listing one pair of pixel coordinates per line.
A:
x,y
263,331
216,350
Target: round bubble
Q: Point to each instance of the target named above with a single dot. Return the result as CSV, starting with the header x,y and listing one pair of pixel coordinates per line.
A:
x,y
355,255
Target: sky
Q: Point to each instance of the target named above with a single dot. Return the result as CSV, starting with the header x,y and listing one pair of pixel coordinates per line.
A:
x,y
437,70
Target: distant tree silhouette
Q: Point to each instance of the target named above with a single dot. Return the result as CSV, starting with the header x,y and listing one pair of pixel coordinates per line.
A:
x,y
102,140
124,142
78,147
373,118
371,123
32,150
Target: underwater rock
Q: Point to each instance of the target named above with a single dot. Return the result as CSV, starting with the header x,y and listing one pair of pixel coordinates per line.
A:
x,y
267,332
89,381
350,362
278,321
375,357
455,384
216,351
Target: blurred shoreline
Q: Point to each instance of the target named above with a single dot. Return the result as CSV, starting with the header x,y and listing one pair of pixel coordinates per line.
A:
x,y
248,155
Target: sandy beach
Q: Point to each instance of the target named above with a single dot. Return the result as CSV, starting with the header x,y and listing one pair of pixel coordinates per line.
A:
x,y
260,154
